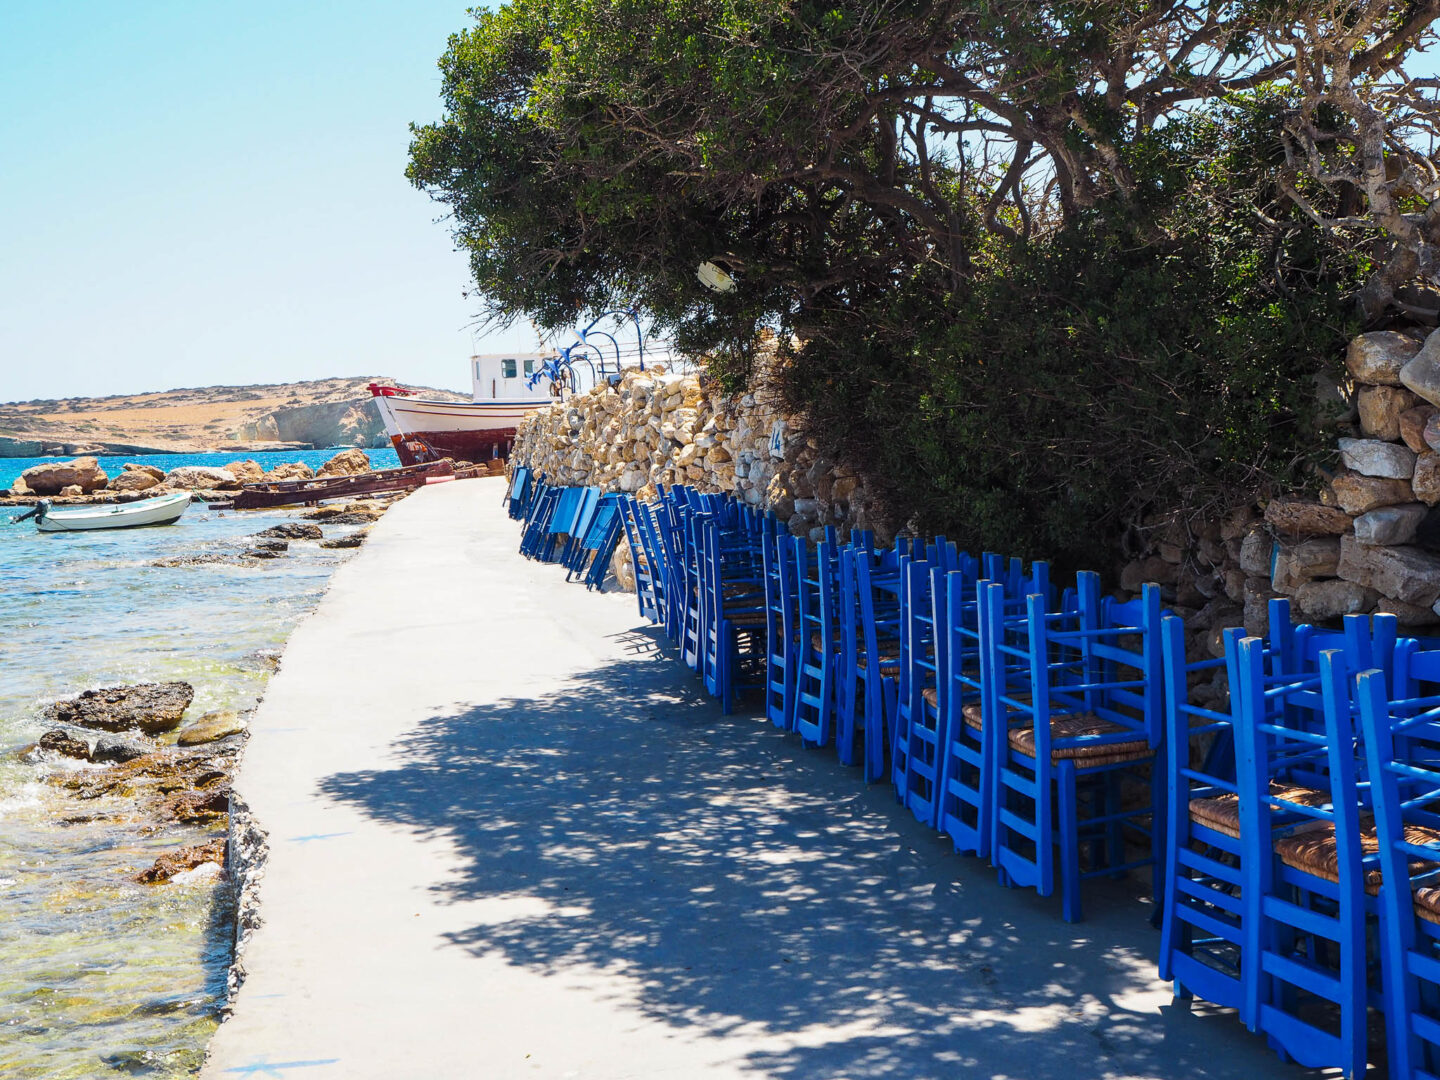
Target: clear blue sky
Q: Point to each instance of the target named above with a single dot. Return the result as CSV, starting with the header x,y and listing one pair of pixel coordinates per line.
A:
x,y
200,193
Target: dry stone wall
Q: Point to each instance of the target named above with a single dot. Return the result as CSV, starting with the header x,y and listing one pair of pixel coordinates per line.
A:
x,y
1369,542
658,427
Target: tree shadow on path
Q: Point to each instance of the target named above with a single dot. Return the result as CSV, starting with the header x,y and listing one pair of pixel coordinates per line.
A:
x,y
745,885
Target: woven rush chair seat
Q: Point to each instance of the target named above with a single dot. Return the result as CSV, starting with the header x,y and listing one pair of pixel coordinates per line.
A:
x,y
889,664
974,717
817,640
1314,851
1222,812
1075,725
1427,904
749,620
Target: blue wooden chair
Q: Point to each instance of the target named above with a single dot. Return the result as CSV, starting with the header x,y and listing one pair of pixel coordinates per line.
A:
x,y
734,616
644,562
1303,870
517,492
782,632
592,560
562,523
1083,707
917,663
818,642
1402,749
537,525
870,681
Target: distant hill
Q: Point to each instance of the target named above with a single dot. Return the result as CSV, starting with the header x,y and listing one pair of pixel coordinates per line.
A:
x,y
323,412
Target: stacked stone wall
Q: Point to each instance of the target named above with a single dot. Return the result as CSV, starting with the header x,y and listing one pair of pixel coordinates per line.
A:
x,y
1368,542
658,427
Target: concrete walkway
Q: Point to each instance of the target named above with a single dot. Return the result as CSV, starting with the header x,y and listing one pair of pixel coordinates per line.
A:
x,y
511,837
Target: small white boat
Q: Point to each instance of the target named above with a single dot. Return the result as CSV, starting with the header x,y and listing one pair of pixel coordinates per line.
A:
x,y
161,510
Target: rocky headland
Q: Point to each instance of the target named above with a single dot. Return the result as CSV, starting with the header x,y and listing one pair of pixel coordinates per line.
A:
x,y
248,419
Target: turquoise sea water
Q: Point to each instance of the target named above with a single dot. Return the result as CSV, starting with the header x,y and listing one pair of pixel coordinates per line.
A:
x,y
383,458
100,976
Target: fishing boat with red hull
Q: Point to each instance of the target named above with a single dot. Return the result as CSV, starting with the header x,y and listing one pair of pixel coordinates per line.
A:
x,y
426,429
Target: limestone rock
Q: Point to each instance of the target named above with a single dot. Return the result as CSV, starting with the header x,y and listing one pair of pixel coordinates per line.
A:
x,y
211,726
1426,482
1371,457
1333,599
247,472
1380,408
354,540
111,749
346,463
134,478
1303,518
1412,426
295,470
65,744
351,513
1296,564
54,476
1390,524
1358,494
1255,552
1422,372
19,487
71,491
1406,614
168,866
292,530
151,707
201,476
1377,357
1404,573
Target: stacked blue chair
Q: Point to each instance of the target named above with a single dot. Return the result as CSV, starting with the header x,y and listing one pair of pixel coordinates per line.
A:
x,y
1401,734
1083,708
1303,871
734,611
818,638
591,560
540,512
870,662
644,561
518,492
782,621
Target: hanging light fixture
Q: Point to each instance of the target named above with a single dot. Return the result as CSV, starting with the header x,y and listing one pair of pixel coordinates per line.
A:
x,y
714,278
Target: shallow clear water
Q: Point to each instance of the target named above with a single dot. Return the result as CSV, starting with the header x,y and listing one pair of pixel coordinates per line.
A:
x,y
381,458
100,976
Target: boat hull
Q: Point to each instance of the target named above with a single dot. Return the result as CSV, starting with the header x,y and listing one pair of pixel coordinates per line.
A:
x,y
165,510
422,430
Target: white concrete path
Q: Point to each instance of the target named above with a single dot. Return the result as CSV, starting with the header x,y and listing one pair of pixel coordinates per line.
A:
x,y
511,837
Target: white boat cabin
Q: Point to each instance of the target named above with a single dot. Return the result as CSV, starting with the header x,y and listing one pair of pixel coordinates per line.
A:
x,y
506,377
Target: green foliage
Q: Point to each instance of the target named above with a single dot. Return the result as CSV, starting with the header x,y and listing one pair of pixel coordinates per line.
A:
x,y
1022,388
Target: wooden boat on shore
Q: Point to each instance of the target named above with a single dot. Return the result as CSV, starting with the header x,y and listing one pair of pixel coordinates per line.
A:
x,y
292,492
161,510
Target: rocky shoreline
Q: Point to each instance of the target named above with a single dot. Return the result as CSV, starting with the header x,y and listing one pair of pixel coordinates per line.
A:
x,y
82,480
134,756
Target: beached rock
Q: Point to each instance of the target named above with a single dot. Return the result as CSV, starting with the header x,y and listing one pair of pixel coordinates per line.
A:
x,y
247,472
1305,518
178,862
151,707
201,476
71,491
210,727
360,512
149,470
295,470
1377,357
20,488
198,807
354,540
54,476
136,478
111,749
292,530
64,744
273,545
346,463
261,553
